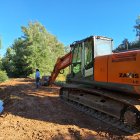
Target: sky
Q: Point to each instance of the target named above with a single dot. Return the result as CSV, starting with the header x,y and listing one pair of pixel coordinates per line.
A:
x,y
70,20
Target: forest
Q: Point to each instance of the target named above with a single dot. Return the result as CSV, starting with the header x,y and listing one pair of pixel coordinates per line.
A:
x,y
37,48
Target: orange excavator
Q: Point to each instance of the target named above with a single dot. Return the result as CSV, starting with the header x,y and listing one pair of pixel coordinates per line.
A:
x,y
103,84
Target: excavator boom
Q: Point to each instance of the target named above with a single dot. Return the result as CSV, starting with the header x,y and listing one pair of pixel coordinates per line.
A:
x,y
61,63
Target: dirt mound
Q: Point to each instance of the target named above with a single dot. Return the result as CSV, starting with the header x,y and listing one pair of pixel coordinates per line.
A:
x,y
39,114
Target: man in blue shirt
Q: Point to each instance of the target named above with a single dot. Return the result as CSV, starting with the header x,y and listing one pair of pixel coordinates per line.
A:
x,y
37,77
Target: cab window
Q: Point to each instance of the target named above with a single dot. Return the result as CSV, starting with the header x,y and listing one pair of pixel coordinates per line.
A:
x,y
76,62
88,54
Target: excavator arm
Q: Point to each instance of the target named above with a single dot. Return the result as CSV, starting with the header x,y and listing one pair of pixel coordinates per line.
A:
x,y
61,63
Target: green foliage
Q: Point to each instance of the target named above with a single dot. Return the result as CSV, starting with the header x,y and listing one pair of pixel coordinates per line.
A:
x,y
135,45
130,46
67,49
44,48
126,45
36,49
1,63
3,76
7,62
15,62
0,43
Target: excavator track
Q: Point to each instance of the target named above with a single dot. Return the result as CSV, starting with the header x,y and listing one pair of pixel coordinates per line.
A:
x,y
69,95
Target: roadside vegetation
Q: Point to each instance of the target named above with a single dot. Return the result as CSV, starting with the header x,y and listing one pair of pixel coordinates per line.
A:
x,y
37,48
3,74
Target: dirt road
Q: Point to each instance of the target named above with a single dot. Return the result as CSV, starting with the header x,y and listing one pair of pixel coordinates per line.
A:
x,y
39,114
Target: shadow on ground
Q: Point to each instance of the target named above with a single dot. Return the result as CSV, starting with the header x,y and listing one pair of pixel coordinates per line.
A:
x,y
44,104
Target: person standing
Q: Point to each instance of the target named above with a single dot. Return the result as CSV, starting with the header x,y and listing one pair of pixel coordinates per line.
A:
x,y
37,78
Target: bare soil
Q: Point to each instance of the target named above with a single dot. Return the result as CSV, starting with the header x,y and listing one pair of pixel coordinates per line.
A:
x,y
39,114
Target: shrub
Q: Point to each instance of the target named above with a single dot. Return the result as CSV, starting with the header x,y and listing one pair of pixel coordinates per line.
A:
x,y
3,76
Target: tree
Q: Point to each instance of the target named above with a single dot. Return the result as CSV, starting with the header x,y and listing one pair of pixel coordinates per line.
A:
x,y
7,62
35,49
22,67
0,43
0,57
44,48
126,45
137,28
67,49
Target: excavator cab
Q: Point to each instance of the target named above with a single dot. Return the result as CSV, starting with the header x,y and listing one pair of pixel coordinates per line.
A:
x,y
81,59
83,54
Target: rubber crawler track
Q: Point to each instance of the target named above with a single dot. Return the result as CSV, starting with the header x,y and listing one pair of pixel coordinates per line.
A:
x,y
101,116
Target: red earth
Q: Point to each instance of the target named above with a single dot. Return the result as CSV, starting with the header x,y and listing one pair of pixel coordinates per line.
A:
x,y
39,114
